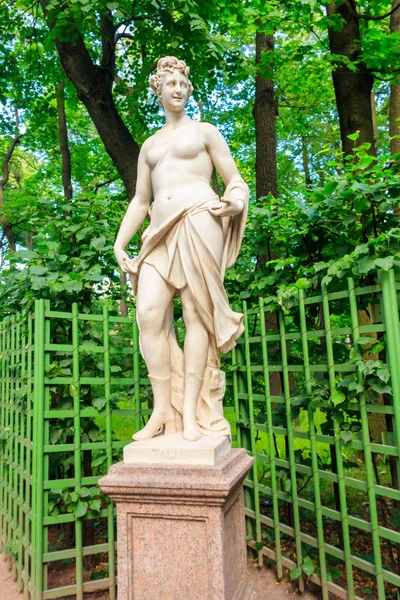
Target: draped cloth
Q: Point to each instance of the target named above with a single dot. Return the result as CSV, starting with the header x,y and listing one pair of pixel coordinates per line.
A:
x,y
182,257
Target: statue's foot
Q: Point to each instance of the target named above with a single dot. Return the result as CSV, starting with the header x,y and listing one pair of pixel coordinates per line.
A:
x,y
160,422
191,431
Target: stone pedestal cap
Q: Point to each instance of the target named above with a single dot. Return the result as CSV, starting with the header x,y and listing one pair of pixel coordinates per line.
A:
x,y
175,450
168,482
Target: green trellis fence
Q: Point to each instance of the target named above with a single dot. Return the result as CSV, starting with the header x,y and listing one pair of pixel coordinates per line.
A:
x,y
313,393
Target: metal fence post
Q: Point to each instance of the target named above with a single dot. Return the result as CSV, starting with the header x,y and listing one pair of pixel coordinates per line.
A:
x,y
37,453
244,434
391,316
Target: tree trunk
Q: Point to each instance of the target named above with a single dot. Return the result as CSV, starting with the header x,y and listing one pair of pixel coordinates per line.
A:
x,y
93,84
352,88
394,102
5,223
306,165
376,421
374,120
63,142
264,112
28,237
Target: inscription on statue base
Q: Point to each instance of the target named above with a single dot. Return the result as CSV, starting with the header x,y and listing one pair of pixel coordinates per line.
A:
x,y
168,455
174,450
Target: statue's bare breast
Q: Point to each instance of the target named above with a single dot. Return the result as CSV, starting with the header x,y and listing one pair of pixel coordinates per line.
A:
x,y
181,170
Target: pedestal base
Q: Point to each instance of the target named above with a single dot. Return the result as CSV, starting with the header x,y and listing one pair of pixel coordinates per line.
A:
x,y
181,530
174,450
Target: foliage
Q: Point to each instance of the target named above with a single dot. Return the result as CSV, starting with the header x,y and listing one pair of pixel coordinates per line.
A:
x,y
79,502
348,226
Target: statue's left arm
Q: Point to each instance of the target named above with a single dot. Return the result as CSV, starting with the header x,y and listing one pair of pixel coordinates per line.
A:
x,y
236,194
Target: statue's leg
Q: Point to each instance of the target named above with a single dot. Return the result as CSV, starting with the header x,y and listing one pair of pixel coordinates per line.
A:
x,y
195,359
154,297
197,336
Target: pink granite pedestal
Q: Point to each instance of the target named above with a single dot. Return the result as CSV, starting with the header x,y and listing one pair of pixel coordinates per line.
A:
x,y
180,530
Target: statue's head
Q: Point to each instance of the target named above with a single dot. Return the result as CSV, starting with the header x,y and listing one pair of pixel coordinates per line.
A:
x,y
171,82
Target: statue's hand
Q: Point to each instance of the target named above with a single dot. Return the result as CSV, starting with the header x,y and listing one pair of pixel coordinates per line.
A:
x,y
122,259
227,208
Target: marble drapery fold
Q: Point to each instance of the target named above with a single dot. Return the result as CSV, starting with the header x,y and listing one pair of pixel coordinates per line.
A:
x,y
181,256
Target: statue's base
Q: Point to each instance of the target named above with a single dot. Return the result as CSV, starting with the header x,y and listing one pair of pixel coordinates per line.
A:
x,y
174,450
181,530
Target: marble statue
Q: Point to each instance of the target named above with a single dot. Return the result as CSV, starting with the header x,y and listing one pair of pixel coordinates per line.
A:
x,y
193,237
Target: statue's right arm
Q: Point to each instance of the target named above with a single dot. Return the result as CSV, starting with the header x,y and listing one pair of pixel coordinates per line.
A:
x,y
137,209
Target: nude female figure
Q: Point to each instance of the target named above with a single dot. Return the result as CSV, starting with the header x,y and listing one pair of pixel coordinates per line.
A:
x,y
186,248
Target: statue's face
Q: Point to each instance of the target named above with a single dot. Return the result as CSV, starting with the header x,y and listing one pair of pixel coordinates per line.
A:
x,y
174,91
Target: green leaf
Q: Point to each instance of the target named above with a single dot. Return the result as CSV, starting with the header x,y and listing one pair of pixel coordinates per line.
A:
x,y
376,348
99,402
337,397
361,204
89,346
99,242
80,509
365,340
382,388
295,573
366,264
308,566
38,282
334,573
84,492
384,263
355,386
330,187
95,504
361,249
258,546
302,283
346,381
73,390
383,374
37,270
319,266
55,434
288,486
349,219
99,460
354,136
94,435
346,436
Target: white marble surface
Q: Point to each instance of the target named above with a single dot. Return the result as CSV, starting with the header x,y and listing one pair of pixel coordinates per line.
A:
x,y
193,237
175,450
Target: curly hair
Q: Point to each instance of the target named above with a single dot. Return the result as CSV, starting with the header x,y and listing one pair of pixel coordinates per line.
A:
x,y
169,64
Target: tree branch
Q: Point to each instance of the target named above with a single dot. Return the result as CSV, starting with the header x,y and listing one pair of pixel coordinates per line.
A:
x,y
128,36
7,159
379,17
5,224
99,185
93,84
107,42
